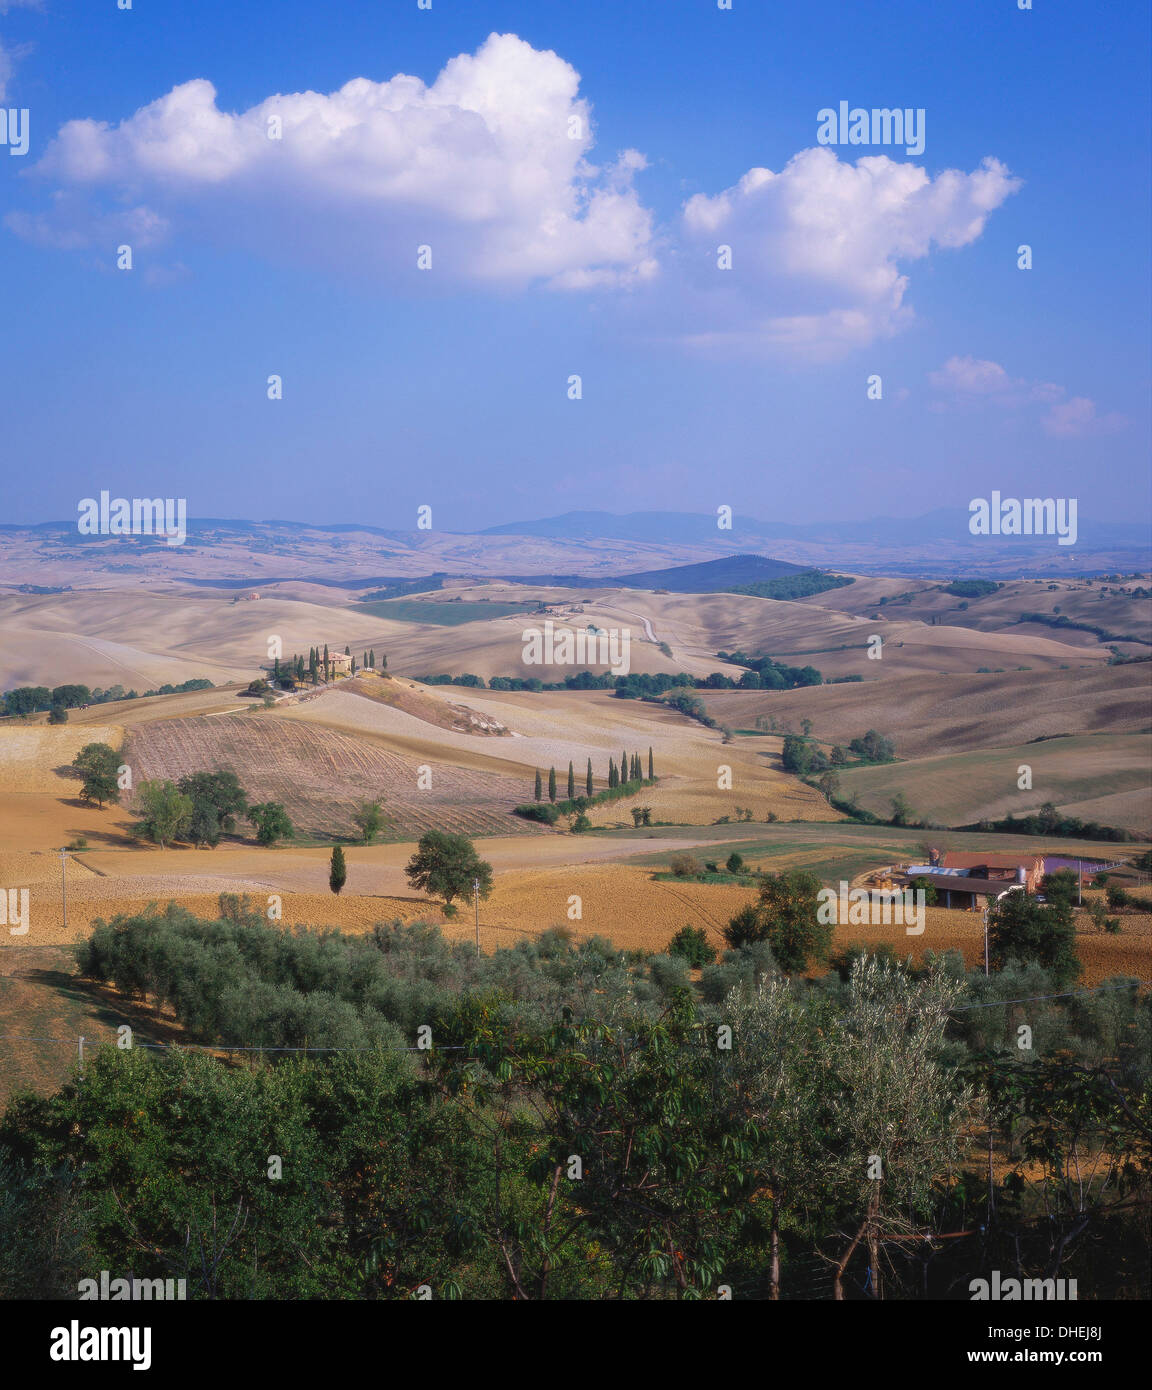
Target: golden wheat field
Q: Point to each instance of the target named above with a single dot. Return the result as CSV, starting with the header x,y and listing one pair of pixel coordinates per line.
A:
x,y
622,902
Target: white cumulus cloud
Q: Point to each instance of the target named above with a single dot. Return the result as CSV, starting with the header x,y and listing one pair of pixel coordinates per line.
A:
x,y
817,249
487,165
491,166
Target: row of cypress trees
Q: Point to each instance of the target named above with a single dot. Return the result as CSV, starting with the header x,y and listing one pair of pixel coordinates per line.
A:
x,y
631,769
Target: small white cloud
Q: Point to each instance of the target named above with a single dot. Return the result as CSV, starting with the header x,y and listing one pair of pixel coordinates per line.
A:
x,y
1077,417
967,381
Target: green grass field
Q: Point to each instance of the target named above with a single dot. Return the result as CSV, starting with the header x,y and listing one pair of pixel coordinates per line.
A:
x,y
841,849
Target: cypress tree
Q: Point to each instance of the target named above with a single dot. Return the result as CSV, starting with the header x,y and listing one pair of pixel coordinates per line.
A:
x,y
571,783
326,662
588,780
539,787
613,780
623,767
551,784
372,658
384,662
651,774
337,873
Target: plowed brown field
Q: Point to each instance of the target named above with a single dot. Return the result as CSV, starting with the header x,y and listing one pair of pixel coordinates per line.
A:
x,y
320,774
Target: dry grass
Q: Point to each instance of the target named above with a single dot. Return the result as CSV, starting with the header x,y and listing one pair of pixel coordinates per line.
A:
x,y
1103,775
31,754
928,715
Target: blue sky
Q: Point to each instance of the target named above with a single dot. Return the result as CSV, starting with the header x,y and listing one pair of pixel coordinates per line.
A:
x,y
551,256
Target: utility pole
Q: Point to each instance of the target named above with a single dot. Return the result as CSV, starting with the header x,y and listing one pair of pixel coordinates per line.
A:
x,y
476,900
64,886
986,936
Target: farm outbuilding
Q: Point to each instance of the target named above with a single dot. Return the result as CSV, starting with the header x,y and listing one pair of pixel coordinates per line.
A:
x,y
977,878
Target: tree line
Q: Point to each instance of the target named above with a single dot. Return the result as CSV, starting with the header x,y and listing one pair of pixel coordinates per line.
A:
x,y
579,1123
624,779
35,699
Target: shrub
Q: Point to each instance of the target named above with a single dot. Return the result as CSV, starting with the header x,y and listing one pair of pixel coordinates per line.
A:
x,y
693,945
684,866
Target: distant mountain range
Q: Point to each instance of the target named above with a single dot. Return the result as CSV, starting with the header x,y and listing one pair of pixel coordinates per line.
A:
x,y
948,524
577,549
943,524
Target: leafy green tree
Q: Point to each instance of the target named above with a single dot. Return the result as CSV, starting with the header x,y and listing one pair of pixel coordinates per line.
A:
x,y
796,755
98,763
163,812
898,1120
873,748
446,866
1061,887
922,884
28,699
368,818
204,825
785,916
57,715
746,928
71,696
772,1081
902,812
693,945
551,784
337,871
271,822
217,799
734,863
1020,928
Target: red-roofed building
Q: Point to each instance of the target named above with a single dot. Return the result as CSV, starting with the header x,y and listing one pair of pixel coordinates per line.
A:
x,y
1027,869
